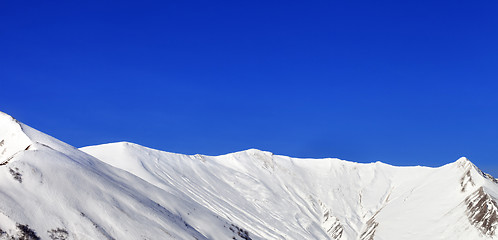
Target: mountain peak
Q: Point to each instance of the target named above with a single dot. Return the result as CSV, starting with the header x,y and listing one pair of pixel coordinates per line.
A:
x,y
5,115
16,137
12,138
8,122
463,161
255,151
466,164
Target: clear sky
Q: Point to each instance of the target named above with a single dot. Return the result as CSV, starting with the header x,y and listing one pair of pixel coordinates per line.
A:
x,y
403,82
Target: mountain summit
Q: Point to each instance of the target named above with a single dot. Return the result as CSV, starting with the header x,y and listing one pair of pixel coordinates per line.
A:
x,y
51,190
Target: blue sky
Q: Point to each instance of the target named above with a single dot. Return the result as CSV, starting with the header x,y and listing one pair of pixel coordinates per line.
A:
x,y
403,82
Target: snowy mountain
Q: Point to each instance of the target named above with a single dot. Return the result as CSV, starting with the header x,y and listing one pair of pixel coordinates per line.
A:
x,y
51,190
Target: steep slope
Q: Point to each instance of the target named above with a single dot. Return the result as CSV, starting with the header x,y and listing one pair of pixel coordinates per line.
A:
x,y
51,190
277,197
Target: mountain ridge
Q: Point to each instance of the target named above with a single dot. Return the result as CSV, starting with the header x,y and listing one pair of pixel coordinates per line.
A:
x,y
463,166
126,191
259,151
462,161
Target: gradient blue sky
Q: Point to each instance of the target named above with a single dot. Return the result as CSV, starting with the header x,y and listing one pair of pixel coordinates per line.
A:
x,y
403,82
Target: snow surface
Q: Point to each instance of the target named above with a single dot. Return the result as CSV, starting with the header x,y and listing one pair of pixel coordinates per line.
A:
x,y
127,191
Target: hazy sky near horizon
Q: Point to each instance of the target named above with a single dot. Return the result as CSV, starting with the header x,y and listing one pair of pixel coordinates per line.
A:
x,y
403,82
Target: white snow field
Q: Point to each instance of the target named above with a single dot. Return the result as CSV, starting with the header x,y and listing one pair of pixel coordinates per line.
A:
x,y
51,190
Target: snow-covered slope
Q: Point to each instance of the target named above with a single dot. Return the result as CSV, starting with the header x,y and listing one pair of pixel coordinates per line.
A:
x,y
51,190
277,197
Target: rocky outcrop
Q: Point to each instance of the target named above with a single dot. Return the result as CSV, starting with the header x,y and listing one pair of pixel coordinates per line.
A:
x,y
331,224
482,212
369,232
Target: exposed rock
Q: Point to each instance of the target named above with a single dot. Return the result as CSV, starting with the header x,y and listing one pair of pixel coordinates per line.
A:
x,y
466,178
331,224
369,232
482,211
